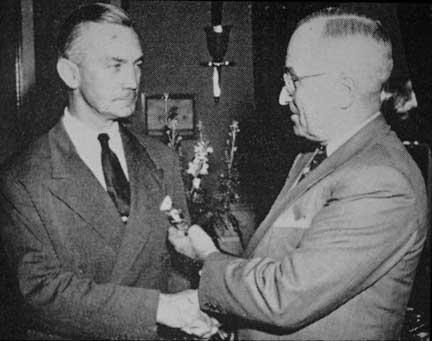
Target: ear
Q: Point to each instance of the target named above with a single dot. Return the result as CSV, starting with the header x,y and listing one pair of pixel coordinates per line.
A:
x,y
346,89
68,72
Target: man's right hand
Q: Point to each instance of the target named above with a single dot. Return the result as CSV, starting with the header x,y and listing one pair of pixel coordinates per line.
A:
x,y
182,311
196,244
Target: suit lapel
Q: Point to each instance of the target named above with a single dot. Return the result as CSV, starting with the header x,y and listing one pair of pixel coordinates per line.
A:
x,y
281,201
289,194
147,192
73,183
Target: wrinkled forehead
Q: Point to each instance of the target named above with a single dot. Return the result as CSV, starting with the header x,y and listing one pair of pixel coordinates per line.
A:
x,y
108,38
307,51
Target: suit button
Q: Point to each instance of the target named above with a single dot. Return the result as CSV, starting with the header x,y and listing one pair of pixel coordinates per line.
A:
x,y
82,268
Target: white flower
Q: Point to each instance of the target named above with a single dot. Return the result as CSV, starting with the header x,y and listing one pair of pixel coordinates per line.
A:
x,y
166,204
176,216
235,126
196,182
172,124
193,168
204,169
199,165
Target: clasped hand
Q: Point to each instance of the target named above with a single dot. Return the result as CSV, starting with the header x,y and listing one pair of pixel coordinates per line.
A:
x,y
196,244
182,311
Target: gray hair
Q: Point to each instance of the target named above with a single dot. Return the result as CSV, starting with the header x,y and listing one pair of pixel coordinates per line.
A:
x,y
70,30
340,24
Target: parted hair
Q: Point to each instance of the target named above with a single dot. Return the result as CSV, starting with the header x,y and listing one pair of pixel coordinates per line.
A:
x,y
94,13
340,23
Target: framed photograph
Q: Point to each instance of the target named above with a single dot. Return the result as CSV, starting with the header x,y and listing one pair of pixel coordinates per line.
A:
x,y
180,106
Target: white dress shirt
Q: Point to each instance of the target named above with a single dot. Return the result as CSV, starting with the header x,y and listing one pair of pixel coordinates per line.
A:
x,y
87,145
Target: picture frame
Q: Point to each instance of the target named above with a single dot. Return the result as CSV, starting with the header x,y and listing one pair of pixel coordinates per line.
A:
x,y
155,115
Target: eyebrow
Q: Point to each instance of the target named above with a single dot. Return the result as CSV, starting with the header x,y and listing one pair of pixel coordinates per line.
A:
x,y
116,60
290,70
123,61
140,59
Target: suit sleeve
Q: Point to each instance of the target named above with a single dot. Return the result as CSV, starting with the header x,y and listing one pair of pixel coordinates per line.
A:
x,y
62,302
181,266
369,223
175,182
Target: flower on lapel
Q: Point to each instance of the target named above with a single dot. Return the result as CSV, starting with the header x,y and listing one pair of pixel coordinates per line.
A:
x,y
175,216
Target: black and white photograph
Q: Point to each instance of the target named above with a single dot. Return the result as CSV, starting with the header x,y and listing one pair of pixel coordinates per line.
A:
x,y
215,170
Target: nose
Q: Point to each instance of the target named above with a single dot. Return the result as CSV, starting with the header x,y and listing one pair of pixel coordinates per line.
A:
x,y
284,97
132,77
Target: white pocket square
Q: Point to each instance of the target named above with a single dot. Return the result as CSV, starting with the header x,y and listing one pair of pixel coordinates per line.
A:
x,y
288,219
302,223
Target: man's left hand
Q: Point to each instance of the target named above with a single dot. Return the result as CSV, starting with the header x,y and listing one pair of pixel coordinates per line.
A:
x,y
196,244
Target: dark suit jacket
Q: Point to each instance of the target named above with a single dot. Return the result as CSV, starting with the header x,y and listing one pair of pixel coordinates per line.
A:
x,y
81,272
335,257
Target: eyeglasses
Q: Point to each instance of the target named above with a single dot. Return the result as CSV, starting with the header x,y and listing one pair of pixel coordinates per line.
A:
x,y
291,79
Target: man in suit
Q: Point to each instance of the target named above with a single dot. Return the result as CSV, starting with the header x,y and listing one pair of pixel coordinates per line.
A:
x,y
81,221
335,257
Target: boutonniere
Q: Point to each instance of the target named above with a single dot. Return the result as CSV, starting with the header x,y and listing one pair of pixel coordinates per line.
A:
x,y
175,215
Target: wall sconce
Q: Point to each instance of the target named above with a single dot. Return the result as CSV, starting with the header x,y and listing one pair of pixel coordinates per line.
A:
x,y
217,45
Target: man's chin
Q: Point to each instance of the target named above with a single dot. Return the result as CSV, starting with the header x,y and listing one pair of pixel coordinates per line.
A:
x,y
303,133
125,112
299,131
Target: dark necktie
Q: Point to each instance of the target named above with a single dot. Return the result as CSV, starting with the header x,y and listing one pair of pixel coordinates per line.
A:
x,y
116,182
319,157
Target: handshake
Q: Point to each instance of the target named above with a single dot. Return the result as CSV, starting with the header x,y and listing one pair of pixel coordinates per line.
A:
x,y
182,310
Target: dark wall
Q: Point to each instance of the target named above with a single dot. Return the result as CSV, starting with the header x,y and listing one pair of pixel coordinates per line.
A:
x,y
9,34
9,23
174,43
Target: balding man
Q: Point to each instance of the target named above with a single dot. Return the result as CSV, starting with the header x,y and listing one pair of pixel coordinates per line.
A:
x,y
336,255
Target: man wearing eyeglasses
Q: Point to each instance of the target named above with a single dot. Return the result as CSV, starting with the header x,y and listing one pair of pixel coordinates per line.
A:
x,y
335,257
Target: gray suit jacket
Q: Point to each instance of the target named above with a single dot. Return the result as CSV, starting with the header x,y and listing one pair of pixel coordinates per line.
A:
x,y
335,257
81,272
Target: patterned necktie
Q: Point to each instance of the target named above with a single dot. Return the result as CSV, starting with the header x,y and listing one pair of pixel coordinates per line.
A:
x,y
116,182
319,157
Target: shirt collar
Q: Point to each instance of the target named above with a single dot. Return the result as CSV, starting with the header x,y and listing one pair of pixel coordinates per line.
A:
x,y
339,140
77,128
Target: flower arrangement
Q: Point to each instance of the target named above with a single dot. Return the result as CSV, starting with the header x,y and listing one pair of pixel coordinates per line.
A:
x,y
199,166
223,220
229,179
213,210
210,210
